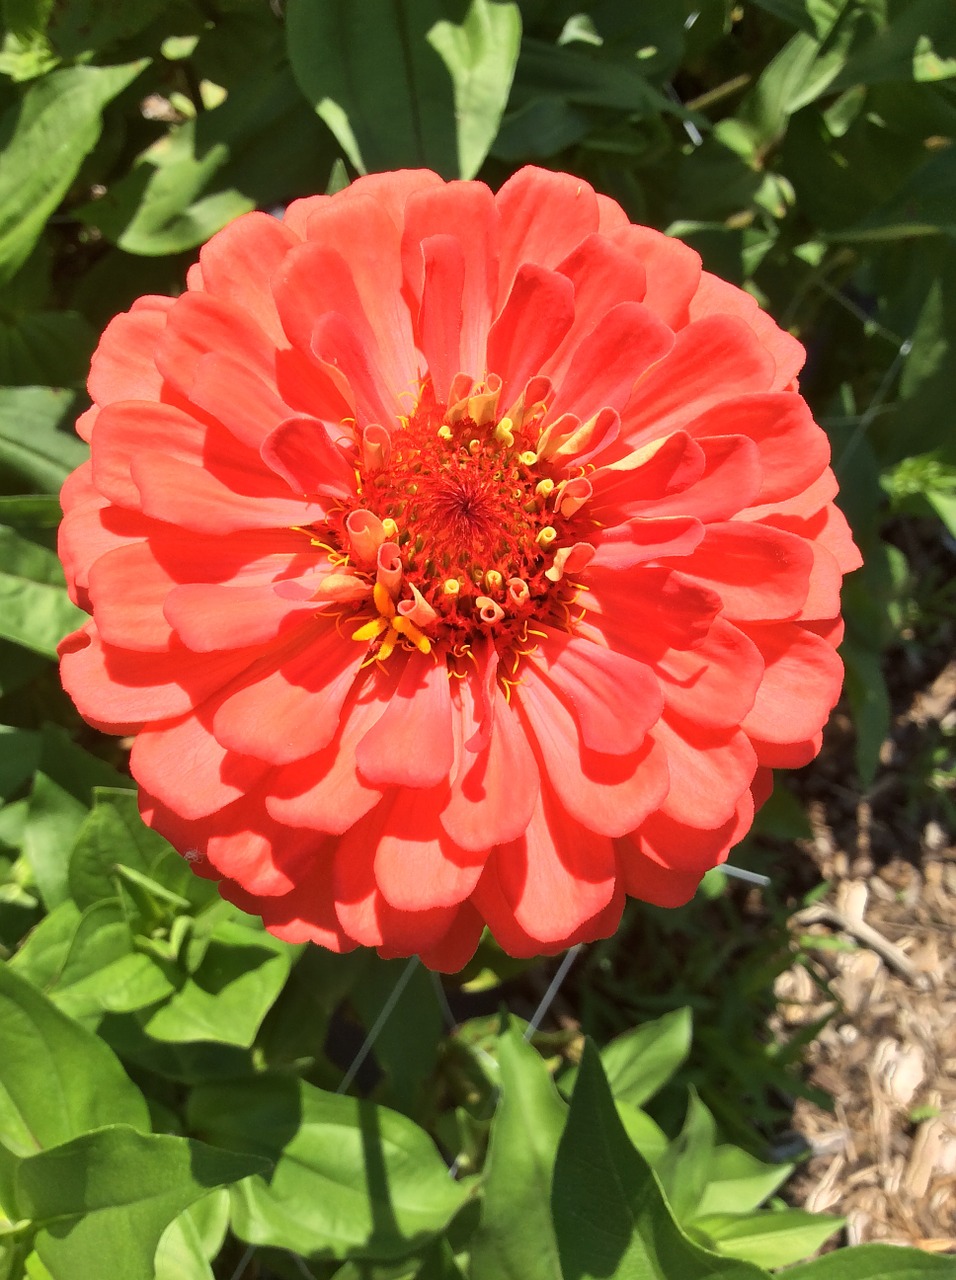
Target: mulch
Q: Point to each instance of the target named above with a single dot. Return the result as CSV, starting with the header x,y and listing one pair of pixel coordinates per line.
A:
x,y
876,953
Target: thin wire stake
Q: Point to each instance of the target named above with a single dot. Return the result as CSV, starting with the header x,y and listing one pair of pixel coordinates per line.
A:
x,y
548,997
378,1024
442,999
738,873
243,1263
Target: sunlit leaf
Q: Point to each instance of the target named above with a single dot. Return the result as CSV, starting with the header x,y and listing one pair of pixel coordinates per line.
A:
x,y
350,1178
57,125
515,1240
102,1200
610,1217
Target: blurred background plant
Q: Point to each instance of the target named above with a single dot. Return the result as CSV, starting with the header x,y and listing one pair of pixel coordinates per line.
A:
x,y
805,149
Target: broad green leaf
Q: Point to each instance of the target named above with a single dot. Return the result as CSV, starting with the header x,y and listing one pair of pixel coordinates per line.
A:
x,y
641,1061
250,151
56,1079
769,1239
738,1182
796,76
684,1167
55,128
918,44
85,963
645,1133
577,75
30,511
35,1268
610,1217
387,78
35,610
38,347
59,802
923,206
515,1240
114,836
160,206
231,991
31,446
350,1178
874,1262
103,1199
192,1240
480,54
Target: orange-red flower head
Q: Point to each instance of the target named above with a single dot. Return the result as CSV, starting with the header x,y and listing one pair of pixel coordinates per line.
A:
x,y
456,559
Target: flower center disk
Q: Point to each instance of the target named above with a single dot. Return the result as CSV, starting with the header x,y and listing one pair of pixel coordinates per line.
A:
x,y
478,538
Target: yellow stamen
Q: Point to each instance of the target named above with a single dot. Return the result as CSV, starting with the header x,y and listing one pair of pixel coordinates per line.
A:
x,y
383,601
504,434
370,629
546,536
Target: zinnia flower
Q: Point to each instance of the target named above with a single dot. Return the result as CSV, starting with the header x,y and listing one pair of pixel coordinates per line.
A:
x,y
457,559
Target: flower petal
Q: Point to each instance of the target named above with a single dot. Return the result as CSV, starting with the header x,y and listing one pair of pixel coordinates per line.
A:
x,y
556,877
492,791
609,794
291,703
419,712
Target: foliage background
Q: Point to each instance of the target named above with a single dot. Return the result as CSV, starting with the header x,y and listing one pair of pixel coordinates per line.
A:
x,y
173,1078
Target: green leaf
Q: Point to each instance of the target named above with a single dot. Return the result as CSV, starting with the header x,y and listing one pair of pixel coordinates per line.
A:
x,y
874,1262
769,1239
480,54
47,138
26,51
45,347
684,1168
738,1182
389,79
515,1240
113,836
642,1060
870,702
406,1048
19,756
31,445
103,1200
84,26
85,963
192,1240
923,206
231,991
59,802
580,76
255,148
918,44
645,1133
56,1079
350,1178
610,1217
35,610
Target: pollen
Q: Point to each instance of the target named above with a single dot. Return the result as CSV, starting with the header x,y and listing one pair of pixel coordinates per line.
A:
x,y
472,534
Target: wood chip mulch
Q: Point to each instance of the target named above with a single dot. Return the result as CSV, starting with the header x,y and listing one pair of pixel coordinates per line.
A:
x,y
877,954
